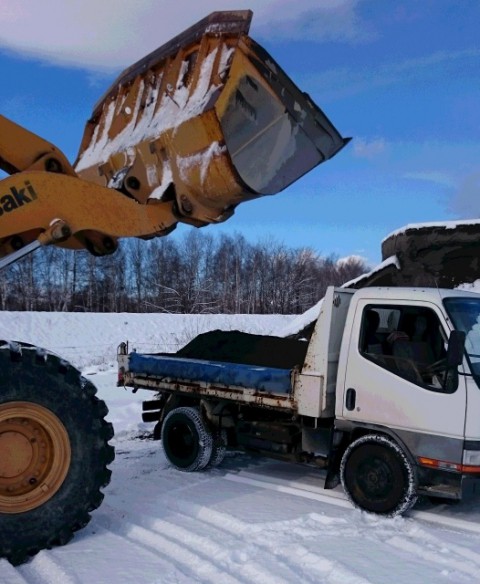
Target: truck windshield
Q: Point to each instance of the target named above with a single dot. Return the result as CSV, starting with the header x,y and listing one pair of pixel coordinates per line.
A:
x,y
465,315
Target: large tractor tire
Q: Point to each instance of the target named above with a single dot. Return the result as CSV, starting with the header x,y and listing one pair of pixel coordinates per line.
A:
x,y
54,451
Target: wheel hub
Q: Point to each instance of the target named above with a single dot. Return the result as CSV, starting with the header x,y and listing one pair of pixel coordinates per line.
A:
x,y
16,454
35,456
375,477
183,441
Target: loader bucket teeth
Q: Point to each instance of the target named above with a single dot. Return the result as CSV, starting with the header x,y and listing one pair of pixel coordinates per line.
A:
x,y
208,120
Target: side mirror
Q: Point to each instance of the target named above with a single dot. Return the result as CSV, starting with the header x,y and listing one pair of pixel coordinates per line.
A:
x,y
455,350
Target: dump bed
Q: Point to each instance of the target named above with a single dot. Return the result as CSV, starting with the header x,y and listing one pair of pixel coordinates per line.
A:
x,y
285,373
267,386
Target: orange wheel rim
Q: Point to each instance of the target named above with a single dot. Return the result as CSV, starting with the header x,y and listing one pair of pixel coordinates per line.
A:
x,y
35,456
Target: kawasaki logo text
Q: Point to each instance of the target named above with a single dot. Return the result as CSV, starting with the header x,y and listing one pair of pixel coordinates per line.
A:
x,y
17,197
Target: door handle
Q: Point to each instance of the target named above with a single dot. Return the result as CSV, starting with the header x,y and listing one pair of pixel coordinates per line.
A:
x,y
350,399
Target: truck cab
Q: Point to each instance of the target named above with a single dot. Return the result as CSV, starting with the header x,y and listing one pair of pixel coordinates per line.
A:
x,y
398,379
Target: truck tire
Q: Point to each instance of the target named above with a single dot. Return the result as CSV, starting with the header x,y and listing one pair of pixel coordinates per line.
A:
x,y
219,448
377,476
55,451
186,440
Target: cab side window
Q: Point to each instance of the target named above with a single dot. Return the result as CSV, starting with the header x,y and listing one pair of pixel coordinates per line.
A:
x,y
408,341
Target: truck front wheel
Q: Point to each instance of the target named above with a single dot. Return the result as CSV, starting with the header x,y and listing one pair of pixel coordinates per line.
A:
x,y
377,476
186,440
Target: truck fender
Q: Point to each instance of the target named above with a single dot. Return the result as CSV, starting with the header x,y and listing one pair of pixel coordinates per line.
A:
x,y
359,429
341,438
218,413
173,401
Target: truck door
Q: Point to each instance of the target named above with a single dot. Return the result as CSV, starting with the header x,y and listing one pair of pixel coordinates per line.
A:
x,y
395,378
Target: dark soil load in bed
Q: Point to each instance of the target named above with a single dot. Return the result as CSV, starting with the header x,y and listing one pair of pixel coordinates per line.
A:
x,y
238,347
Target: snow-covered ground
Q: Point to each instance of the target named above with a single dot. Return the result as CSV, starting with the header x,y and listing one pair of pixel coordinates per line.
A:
x,y
252,520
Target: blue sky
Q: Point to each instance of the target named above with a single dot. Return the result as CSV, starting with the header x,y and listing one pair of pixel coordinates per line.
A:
x,y
401,78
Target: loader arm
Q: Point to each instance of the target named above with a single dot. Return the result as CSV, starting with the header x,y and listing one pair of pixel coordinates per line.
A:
x,y
23,150
44,201
202,124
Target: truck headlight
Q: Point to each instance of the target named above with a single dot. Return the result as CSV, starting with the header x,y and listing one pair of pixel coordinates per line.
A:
x,y
471,457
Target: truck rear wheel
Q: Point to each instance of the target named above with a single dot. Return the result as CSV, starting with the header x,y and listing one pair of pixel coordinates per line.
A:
x,y
54,451
219,448
377,476
186,440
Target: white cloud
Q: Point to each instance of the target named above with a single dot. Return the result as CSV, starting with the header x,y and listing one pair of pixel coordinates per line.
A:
x,y
345,82
352,259
450,171
466,201
109,34
371,149
434,176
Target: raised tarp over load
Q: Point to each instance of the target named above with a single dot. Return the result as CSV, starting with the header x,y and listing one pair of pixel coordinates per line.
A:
x,y
208,120
195,371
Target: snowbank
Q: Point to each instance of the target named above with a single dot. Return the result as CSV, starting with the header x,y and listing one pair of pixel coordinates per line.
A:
x,y
92,338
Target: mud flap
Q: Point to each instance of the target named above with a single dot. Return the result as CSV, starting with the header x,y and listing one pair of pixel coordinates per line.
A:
x,y
334,459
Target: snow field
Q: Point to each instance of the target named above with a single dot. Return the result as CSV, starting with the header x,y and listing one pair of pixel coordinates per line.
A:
x,y
87,339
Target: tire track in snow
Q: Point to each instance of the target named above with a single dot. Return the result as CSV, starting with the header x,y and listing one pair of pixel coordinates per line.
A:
x,y
177,553
217,550
442,553
407,535
418,533
429,547
330,571
339,499
291,488
105,532
11,575
434,557
447,521
311,566
45,569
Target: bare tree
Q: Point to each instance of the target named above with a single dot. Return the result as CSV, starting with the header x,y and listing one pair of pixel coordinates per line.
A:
x,y
194,274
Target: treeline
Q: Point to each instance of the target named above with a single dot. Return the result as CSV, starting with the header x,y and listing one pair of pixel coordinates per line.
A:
x,y
197,274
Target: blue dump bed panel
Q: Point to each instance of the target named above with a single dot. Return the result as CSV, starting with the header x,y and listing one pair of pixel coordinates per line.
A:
x,y
267,379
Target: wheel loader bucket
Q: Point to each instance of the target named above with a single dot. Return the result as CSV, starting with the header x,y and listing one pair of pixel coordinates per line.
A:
x,y
208,120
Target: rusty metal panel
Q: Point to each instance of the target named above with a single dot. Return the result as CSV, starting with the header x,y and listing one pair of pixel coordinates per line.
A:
x,y
213,391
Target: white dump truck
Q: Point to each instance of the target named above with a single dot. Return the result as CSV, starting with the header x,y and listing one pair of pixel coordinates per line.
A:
x,y
382,390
